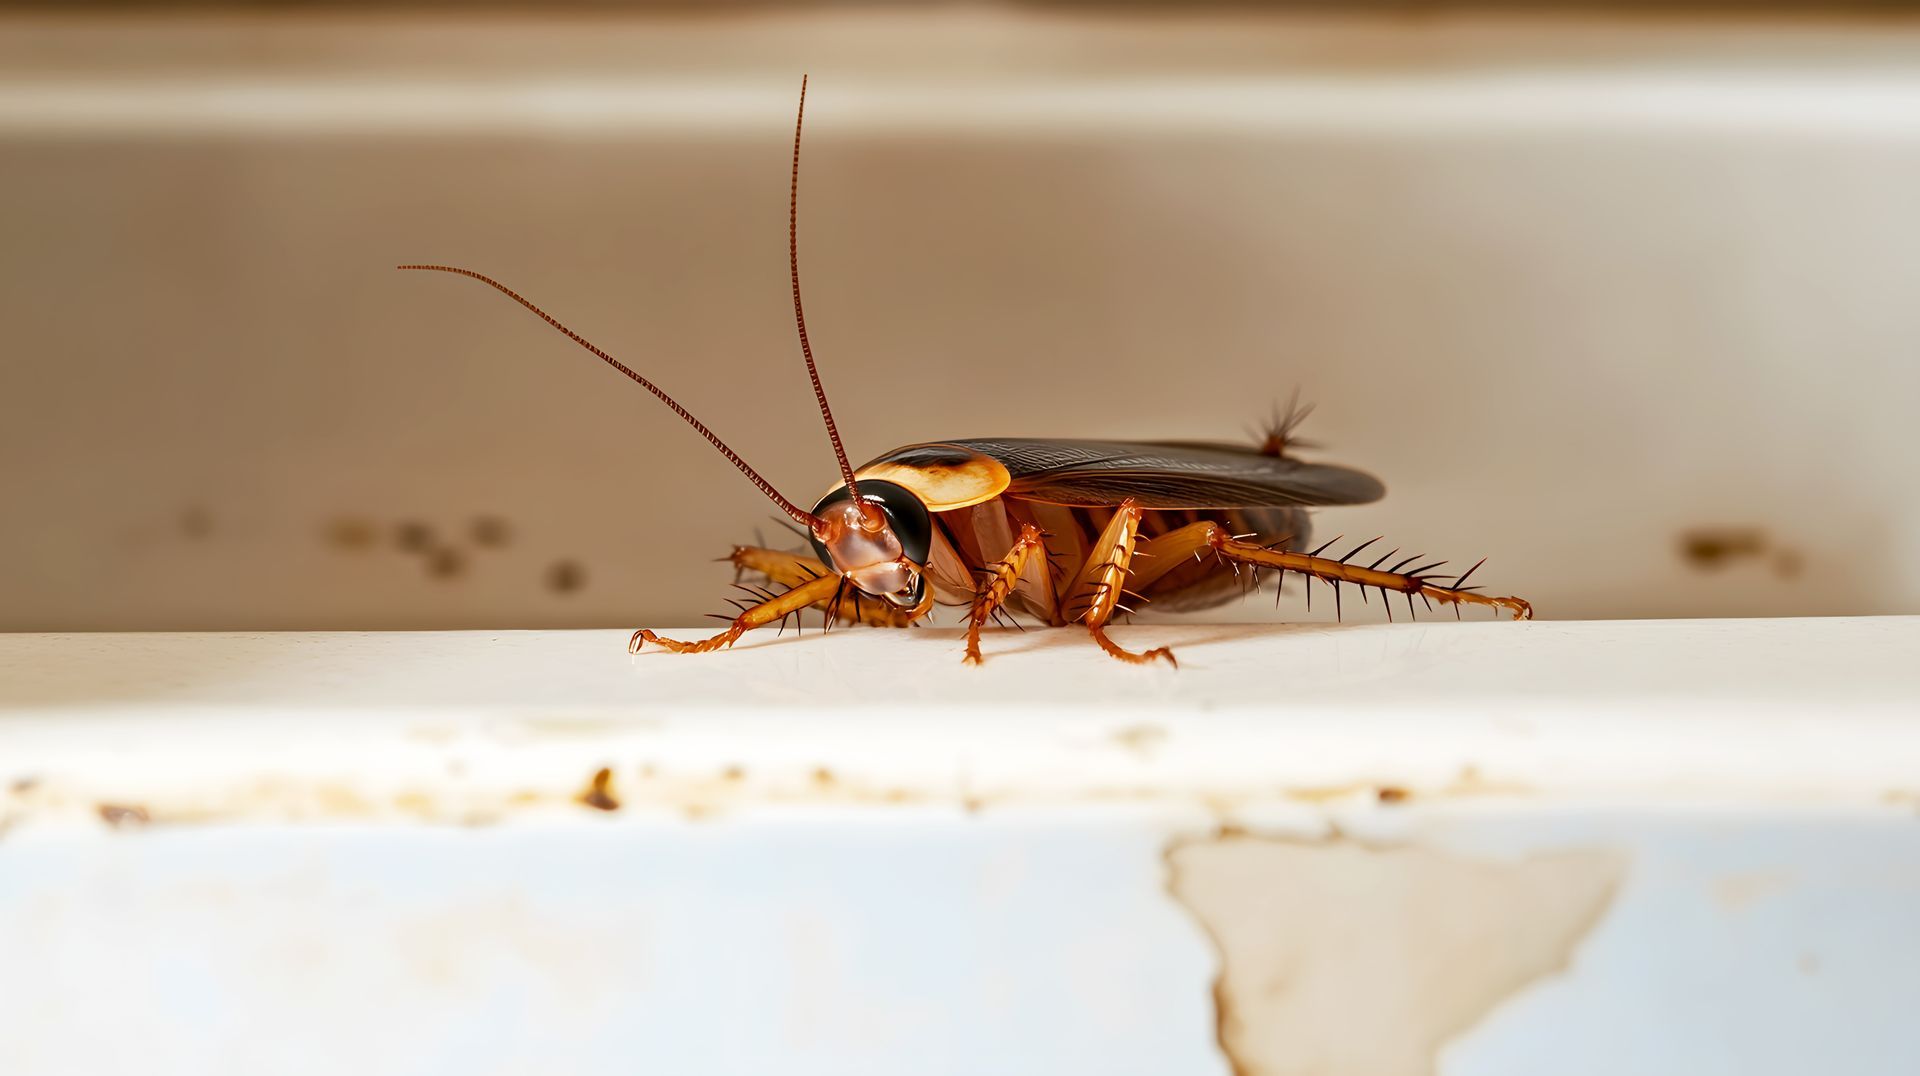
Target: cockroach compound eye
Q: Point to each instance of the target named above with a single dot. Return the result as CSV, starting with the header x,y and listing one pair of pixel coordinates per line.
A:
x,y
1062,531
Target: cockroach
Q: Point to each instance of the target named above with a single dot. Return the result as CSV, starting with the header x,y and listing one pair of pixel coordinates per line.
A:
x,y
1065,531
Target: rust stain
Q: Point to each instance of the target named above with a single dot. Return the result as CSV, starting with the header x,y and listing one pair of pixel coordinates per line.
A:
x,y
413,536
1392,794
733,773
566,576
445,562
1713,548
823,777
196,522
599,792
1292,997
120,816
20,786
490,532
352,534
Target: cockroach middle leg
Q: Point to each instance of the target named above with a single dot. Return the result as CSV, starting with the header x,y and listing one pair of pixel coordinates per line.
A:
x,y
1413,582
793,569
777,608
1095,593
992,591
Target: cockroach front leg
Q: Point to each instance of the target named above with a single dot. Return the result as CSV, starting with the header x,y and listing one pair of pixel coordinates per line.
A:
x,y
767,612
793,569
992,592
1103,579
1201,538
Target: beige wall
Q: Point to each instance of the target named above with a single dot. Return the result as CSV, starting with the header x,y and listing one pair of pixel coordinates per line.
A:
x,y
1570,292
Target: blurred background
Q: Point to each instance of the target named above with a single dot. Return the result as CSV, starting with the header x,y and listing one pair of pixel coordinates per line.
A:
x,y
1621,299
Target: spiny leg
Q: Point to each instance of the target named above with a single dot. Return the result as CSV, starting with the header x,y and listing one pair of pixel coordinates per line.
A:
x,y
776,608
1199,538
793,569
1095,591
992,593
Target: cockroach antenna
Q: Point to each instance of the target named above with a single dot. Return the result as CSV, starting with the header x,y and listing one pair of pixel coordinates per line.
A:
x,y
799,311
800,516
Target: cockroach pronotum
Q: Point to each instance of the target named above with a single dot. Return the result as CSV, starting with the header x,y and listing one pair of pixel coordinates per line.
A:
x,y
1064,531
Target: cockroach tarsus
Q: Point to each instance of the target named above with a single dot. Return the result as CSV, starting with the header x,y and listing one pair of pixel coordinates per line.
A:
x,y
1064,531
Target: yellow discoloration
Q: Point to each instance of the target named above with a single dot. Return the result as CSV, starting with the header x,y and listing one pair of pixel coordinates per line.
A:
x,y
1335,957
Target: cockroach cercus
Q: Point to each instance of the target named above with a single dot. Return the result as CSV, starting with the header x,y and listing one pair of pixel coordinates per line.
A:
x,y
1064,531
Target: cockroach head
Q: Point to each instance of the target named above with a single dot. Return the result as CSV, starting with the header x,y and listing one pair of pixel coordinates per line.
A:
x,y
879,541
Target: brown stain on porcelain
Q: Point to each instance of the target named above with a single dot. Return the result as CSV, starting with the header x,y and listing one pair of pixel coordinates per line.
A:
x,y
196,522
599,792
123,816
452,786
1307,931
1715,548
490,532
565,576
694,790
413,536
445,562
352,534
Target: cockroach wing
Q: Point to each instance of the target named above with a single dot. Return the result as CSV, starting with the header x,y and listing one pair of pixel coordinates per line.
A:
x,y
1169,475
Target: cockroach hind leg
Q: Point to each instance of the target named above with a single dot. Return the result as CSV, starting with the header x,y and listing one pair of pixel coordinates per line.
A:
x,y
1099,633
1376,576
